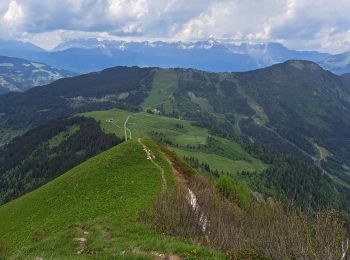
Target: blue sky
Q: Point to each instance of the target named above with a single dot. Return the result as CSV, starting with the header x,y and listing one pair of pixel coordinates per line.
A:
x,y
301,24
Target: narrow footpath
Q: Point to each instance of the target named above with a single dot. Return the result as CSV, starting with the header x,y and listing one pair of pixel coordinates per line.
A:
x,y
150,156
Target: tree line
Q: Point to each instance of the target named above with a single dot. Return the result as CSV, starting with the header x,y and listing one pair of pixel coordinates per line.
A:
x,y
45,152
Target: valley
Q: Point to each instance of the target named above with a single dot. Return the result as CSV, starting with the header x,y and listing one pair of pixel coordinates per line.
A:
x,y
116,153
18,75
174,130
180,136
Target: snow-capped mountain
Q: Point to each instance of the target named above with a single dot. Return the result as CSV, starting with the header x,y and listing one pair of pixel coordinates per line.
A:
x,y
86,55
213,55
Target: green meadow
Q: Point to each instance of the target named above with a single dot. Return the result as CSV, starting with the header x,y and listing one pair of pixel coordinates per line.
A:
x,y
182,136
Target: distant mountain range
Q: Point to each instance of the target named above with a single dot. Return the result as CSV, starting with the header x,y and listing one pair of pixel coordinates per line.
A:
x,y
340,63
87,55
20,75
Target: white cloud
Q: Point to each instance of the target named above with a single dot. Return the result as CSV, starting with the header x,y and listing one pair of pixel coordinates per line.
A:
x,y
14,15
121,10
301,24
238,19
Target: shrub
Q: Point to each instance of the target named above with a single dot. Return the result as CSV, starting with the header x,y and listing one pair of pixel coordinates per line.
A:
x,y
171,213
267,230
237,190
225,186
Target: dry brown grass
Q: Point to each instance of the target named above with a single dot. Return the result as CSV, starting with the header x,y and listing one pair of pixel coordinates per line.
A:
x,y
265,228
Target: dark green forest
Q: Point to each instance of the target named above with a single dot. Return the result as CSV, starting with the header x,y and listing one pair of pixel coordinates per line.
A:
x,y
46,152
68,96
293,181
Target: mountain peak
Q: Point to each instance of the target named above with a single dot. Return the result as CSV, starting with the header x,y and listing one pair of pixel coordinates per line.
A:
x,y
303,65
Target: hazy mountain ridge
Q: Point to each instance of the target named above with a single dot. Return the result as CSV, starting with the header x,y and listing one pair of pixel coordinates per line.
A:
x,y
210,55
339,63
346,76
20,75
87,55
15,48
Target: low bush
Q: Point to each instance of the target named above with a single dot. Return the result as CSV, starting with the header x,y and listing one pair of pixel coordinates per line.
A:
x,y
236,190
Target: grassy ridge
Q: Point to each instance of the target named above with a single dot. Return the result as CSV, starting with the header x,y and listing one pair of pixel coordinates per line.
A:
x,y
103,196
183,136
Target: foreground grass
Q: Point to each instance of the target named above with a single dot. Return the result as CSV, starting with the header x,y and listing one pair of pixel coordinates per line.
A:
x,y
100,201
168,129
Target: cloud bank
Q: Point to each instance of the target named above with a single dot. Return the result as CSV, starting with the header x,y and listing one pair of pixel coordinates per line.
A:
x,y
302,24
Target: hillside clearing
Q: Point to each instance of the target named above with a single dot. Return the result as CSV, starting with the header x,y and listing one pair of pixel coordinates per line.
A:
x,y
180,136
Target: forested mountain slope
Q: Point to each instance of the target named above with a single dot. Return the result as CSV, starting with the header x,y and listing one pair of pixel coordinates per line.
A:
x,y
46,152
21,75
126,87
295,107
346,76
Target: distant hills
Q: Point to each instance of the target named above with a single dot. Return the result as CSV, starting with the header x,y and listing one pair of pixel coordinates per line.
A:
x,y
19,49
20,75
87,55
339,64
295,107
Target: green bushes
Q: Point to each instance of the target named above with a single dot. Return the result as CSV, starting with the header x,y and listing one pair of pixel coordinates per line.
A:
x,y
226,186
236,190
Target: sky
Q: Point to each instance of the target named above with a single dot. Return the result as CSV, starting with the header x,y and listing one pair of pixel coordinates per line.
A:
x,y
322,25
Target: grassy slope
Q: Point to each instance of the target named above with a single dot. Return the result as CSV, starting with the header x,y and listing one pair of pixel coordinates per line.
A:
x,y
59,138
104,195
6,135
142,124
165,83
